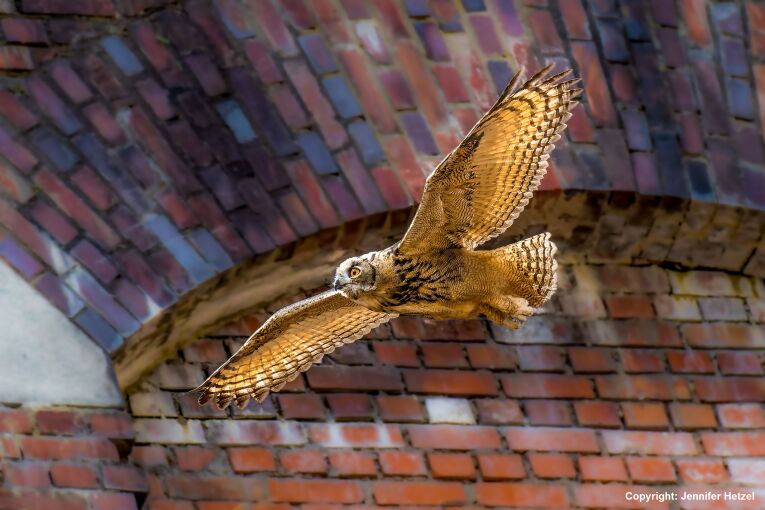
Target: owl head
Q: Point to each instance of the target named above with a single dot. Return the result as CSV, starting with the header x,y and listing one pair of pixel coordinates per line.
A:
x,y
355,276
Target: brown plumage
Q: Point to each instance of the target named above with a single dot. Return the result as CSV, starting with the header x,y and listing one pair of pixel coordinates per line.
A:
x,y
435,271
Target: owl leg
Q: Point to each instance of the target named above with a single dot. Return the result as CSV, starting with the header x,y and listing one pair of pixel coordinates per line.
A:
x,y
510,311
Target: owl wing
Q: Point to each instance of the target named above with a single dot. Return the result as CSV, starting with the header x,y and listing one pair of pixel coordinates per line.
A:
x,y
288,343
477,191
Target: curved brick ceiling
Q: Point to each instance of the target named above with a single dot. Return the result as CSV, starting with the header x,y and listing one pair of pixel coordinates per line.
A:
x,y
147,147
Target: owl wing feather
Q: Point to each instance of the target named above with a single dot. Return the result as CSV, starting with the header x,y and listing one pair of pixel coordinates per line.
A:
x,y
286,344
479,189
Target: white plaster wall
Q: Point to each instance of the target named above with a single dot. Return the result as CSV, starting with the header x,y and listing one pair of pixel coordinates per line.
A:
x,y
45,358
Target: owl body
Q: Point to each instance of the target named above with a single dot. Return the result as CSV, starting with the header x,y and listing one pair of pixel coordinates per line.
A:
x,y
452,283
437,269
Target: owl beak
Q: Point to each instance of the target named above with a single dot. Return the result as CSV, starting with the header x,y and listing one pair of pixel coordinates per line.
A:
x,y
336,283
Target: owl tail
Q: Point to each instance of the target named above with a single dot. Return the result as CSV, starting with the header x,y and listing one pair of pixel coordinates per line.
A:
x,y
534,258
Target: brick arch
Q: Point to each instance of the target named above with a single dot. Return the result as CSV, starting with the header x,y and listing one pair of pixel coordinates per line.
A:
x,y
149,147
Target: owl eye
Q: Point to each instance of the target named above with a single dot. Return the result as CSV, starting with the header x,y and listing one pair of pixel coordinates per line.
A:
x,y
354,272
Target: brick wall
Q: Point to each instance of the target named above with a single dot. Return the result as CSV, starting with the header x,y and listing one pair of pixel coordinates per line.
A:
x,y
148,145
632,378
68,458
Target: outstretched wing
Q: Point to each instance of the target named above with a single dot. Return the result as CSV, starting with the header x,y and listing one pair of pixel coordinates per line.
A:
x,y
288,343
477,191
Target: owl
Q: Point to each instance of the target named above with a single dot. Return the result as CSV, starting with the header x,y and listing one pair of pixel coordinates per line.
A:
x,y
435,270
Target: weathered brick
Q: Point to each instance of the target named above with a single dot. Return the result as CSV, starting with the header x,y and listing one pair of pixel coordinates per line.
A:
x,y
315,491
524,495
418,493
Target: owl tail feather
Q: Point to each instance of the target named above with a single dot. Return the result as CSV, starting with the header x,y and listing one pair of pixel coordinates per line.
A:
x,y
535,259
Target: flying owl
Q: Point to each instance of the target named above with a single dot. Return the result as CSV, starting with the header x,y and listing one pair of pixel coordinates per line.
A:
x,y
435,270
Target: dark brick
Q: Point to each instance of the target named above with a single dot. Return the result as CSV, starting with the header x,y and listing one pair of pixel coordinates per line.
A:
x,y
670,159
122,55
419,133
141,273
93,259
17,58
289,107
101,77
488,41
101,301
594,84
213,252
361,182
83,8
635,20
19,258
671,47
397,89
297,213
545,30
701,185
24,31
342,197
256,106
206,72
52,105
53,222
740,98
204,207
58,293
16,112
316,152
99,330
319,55
261,60
179,248
713,103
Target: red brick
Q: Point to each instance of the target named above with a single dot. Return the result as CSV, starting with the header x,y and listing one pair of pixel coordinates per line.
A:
x,y
113,501
594,84
16,113
125,478
211,487
447,382
443,355
547,386
726,444
390,186
16,421
301,407
692,362
649,443
402,354
730,389
741,416
73,206
428,98
650,469
26,475
548,412
742,363
195,458
149,456
402,463
701,471
523,495
695,15
418,493
59,422
496,466
639,360
591,360
350,406
597,414
621,307
551,439
52,448
499,411
248,460
352,463
315,491
400,409
303,461
613,496
404,161
492,357
451,465
16,58
642,387
366,87
552,465
692,416
645,415
453,437
77,476
354,378
333,435
602,469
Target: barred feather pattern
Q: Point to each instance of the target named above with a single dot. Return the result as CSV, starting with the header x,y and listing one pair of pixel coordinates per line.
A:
x,y
289,343
534,257
482,186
